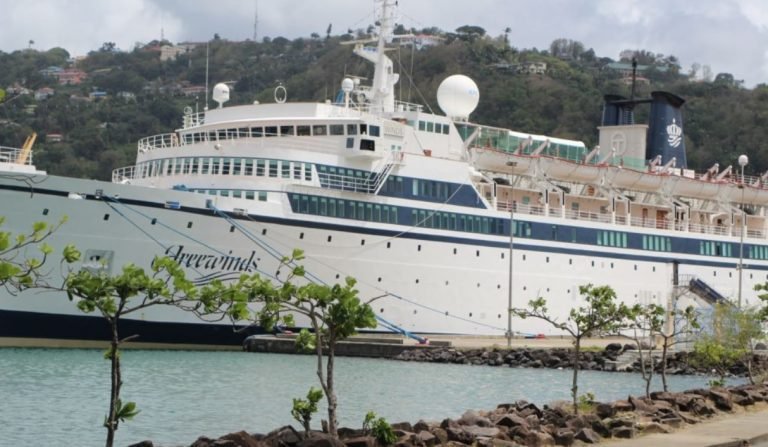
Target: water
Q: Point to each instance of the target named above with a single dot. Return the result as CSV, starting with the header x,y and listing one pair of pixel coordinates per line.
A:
x,y
56,397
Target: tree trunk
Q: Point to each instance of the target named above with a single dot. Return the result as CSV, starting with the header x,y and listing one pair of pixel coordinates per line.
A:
x,y
664,348
575,387
331,394
111,422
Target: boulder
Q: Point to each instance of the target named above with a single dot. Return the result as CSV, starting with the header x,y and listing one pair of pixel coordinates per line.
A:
x,y
360,441
703,407
319,440
482,432
760,346
539,439
685,401
448,422
621,406
563,436
202,441
587,436
641,405
605,410
533,421
474,418
440,434
688,418
283,436
623,432
142,444
423,425
425,438
722,399
742,400
404,426
613,347
459,434
525,408
240,439
673,421
512,420
652,427
346,432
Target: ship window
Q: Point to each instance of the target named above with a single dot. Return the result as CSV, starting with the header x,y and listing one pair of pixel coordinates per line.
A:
x,y
303,131
336,129
257,132
224,193
313,205
249,195
374,131
297,171
248,167
446,129
215,166
350,143
363,129
422,125
287,131
351,129
189,224
307,171
304,204
204,165
237,166
323,206
45,211
106,217
362,241
237,194
231,134
273,168
260,167
301,235
430,126
319,130
242,132
222,134
270,131
225,166
286,169
195,165
329,238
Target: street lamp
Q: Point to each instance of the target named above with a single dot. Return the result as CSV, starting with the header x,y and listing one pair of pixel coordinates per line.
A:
x,y
511,253
743,160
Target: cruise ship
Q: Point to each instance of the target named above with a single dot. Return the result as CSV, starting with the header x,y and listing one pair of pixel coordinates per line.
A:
x,y
447,223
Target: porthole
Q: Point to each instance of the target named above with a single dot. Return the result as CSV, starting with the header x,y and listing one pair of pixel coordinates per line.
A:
x,y
502,255
446,283
593,263
264,232
337,276
547,289
499,316
478,284
654,268
611,264
523,257
470,315
389,244
525,287
477,252
415,311
106,217
231,228
454,252
362,241
570,262
635,267
45,212
154,221
418,248
568,291
730,274
381,310
301,235
498,286
750,276
379,279
547,259
714,273
417,280
329,238
189,224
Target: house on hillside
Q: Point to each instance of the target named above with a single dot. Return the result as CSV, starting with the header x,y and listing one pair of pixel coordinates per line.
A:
x,y
51,72
171,52
71,76
54,138
43,93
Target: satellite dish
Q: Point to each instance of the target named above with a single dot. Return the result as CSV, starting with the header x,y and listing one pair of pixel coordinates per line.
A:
x,y
458,96
221,94
347,85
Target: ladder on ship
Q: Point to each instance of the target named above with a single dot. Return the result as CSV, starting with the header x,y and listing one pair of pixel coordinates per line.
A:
x,y
702,290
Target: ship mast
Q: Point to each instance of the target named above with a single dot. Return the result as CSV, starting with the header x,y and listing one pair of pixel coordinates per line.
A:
x,y
382,93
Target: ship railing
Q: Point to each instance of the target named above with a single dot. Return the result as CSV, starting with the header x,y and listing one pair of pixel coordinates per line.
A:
x,y
346,182
120,175
194,120
11,155
165,140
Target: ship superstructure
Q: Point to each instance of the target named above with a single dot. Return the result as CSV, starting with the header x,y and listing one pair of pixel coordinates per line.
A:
x,y
430,213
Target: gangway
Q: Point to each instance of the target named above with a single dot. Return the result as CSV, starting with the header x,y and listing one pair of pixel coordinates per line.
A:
x,y
705,291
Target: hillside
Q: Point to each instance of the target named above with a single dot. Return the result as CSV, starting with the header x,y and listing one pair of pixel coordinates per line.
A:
x,y
86,129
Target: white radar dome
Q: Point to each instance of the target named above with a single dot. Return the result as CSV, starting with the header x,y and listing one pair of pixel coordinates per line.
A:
x,y
347,85
221,93
458,96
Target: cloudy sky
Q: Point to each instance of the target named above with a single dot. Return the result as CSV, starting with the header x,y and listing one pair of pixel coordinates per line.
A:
x,y
728,35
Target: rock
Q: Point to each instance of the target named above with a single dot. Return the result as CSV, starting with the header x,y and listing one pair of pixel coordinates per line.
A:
x,y
613,347
404,426
722,399
525,408
640,405
621,406
588,436
202,441
142,444
630,347
346,432
482,432
440,434
760,346
605,410
459,434
623,432
702,407
448,422
474,418
360,441
496,443
512,420
533,421
239,439
425,438
663,395
539,439
688,418
563,436
620,422
423,425
652,427
671,421
685,401
742,400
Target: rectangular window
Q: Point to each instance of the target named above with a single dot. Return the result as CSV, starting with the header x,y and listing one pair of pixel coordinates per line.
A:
x,y
225,165
238,194
303,131
297,171
243,132
273,168
262,196
323,206
195,165
430,126
332,207
231,134
257,132
215,166
336,129
249,195
222,134
319,130
260,167
361,210
393,215
415,187
422,125
248,167
287,131
374,131
351,208
187,165
446,129
307,171
304,204
237,166
177,165
286,169
340,208
351,129
224,193
368,212
270,131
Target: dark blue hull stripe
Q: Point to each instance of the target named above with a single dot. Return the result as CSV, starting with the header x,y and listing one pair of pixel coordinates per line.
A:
x,y
731,263
82,327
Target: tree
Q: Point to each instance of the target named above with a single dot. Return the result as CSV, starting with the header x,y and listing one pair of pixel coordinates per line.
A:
x,y
681,322
303,409
334,313
600,314
646,321
22,256
114,297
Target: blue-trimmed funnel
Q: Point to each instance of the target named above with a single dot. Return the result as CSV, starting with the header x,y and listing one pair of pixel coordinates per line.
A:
x,y
617,111
665,129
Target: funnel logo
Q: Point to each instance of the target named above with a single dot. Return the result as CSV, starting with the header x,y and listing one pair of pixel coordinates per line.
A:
x,y
674,134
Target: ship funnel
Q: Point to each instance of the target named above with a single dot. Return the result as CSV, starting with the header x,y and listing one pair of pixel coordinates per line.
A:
x,y
618,111
665,132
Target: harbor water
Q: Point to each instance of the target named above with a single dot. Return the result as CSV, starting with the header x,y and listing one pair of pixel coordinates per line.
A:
x,y
59,396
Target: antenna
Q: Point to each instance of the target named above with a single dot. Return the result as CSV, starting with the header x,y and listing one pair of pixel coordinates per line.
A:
x,y
207,47
634,78
255,20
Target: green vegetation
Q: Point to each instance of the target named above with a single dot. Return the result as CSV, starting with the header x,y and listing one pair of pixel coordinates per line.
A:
x,y
22,255
379,428
145,96
599,314
682,324
113,297
303,409
646,321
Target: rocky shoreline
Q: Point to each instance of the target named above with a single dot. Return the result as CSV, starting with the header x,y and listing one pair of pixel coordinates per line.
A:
x,y
526,424
562,358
